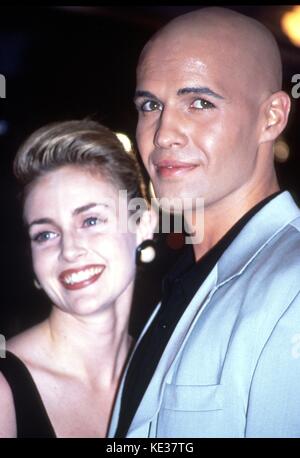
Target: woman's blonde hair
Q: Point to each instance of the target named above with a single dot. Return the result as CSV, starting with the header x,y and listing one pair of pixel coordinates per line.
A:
x,y
83,143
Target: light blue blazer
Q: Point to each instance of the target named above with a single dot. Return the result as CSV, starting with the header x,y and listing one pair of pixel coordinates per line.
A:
x,y
232,365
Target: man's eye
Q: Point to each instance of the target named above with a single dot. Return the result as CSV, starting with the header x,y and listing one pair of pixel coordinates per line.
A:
x,y
150,105
93,221
45,236
202,104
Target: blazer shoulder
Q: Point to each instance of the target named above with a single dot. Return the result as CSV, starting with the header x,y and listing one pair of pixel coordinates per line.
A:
x,y
287,241
296,224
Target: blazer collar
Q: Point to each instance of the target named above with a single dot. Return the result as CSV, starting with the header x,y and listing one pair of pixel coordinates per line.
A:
x,y
265,224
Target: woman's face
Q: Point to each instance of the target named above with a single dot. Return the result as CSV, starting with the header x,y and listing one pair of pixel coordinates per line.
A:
x,y
82,260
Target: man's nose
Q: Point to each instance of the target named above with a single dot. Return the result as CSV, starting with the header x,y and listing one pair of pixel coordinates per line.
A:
x,y
72,247
170,131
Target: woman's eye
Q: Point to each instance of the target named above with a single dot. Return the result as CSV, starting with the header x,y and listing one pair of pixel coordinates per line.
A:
x,y
93,221
202,104
42,237
150,105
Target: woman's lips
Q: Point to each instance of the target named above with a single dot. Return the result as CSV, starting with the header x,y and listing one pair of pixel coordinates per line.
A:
x,y
169,169
82,277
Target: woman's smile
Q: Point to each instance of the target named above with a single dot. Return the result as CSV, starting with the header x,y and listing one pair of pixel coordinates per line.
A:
x,y
81,277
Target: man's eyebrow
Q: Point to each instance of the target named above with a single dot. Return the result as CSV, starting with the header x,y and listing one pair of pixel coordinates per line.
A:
x,y
182,91
199,90
75,212
145,94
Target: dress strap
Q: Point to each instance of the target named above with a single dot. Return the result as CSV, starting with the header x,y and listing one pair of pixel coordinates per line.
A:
x,y
31,415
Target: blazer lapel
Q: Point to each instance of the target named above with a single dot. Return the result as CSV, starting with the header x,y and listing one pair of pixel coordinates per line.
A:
x,y
152,397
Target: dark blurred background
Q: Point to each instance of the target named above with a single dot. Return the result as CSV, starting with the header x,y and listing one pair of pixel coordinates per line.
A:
x,y
70,62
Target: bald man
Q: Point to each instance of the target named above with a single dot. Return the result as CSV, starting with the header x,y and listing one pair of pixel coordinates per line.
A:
x,y
220,356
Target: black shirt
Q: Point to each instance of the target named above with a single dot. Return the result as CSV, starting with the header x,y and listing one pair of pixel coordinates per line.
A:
x,y
31,416
179,287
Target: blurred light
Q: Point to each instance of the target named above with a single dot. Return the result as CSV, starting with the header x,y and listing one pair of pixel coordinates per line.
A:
x,y
281,151
151,190
3,127
290,24
153,198
175,241
125,141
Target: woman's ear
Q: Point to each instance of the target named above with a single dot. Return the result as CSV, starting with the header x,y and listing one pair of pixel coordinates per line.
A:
x,y
277,110
147,225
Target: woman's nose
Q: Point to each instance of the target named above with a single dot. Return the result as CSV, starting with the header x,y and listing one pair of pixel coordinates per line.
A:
x,y
72,247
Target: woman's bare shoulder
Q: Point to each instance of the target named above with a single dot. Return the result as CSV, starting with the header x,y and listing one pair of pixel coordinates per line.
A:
x,y
26,344
8,427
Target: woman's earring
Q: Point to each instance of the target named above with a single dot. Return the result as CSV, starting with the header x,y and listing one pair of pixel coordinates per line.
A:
x,y
145,252
37,284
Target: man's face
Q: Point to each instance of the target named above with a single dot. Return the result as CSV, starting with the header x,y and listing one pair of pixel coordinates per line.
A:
x,y
198,119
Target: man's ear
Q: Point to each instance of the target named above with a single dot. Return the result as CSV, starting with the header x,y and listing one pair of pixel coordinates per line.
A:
x,y
146,226
276,113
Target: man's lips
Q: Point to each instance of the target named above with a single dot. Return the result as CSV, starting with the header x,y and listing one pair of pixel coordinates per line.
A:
x,y
168,168
80,278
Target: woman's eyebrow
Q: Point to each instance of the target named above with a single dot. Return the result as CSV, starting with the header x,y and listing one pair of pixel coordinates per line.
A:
x,y
75,212
86,207
40,221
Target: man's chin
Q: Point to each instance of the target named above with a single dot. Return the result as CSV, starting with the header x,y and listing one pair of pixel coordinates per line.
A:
x,y
178,204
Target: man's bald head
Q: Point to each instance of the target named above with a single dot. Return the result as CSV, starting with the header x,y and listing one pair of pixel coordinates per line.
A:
x,y
209,96
247,46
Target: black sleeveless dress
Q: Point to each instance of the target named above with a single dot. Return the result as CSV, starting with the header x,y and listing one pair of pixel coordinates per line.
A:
x,y
31,415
